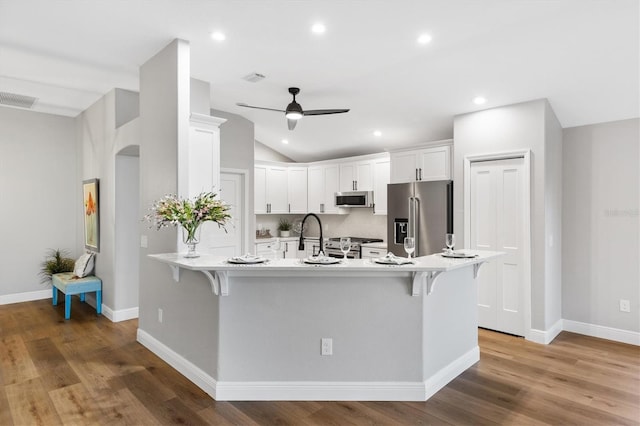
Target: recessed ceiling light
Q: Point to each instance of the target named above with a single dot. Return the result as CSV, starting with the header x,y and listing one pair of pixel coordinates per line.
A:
x,y
377,133
424,38
318,28
218,36
479,100
285,141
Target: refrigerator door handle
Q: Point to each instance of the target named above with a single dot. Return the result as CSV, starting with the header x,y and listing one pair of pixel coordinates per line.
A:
x,y
412,218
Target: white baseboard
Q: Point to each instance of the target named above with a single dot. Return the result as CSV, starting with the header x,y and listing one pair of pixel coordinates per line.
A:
x,y
439,380
544,337
120,314
7,299
177,361
310,391
603,332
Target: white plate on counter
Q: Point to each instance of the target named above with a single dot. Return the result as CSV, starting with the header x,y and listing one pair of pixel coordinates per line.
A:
x,y
391,259
317,260
458,255
247,259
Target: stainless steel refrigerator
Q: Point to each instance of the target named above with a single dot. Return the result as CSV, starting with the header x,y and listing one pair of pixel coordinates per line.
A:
x,y
423,210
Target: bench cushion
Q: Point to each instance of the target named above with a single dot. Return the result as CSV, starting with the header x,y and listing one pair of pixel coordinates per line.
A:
x,y
69,285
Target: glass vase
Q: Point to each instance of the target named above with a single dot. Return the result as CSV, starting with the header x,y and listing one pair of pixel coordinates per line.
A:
x,y
191,237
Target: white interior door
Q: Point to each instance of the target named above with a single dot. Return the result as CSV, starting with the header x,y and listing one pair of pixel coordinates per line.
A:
x,y
497,214
214,239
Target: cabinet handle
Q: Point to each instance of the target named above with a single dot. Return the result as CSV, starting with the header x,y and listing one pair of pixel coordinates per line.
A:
x,y
356,182
420,173
373,252
416,174
321,207
269,208
289,207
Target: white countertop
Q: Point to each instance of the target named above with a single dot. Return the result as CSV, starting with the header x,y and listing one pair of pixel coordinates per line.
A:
x,y
432,263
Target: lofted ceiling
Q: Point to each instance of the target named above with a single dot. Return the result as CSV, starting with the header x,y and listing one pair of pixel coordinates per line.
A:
x,y
582,55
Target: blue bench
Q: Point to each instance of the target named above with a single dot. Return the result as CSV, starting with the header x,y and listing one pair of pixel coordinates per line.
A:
x,y
66,283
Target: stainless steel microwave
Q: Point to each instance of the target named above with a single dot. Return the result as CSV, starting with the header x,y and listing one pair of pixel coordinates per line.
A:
x,y
354,199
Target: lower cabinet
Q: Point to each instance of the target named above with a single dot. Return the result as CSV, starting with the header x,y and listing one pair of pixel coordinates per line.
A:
x,y
288,249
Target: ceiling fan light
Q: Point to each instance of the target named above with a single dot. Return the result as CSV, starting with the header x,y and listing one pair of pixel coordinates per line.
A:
x,y
293,115
293,111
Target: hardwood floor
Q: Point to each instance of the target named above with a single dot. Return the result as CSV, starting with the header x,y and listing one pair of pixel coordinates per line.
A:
x,y
90,371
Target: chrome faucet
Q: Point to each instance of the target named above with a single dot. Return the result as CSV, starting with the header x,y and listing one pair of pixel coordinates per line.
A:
x,y
301,243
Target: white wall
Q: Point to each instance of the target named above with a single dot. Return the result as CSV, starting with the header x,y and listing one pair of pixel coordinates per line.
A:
x,y
98,142
40,195
265,153
601,224
127,236
513,127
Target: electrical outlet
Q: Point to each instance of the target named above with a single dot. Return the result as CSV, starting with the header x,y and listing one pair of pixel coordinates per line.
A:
x,y
625,305
160,315
326,346
143,241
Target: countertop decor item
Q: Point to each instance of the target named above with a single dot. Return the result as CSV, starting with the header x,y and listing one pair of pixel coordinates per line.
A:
x,y
171,210
284,226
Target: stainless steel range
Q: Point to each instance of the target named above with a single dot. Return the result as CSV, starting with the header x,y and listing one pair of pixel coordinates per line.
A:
x,y
332,247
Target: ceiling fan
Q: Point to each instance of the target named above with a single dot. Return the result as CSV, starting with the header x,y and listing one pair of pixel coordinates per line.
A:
x,y
294,111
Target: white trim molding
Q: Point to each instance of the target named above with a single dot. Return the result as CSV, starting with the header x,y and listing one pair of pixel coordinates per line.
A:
x,y
525,154
120,314
603,332
29,296
544,337
309,390
177,361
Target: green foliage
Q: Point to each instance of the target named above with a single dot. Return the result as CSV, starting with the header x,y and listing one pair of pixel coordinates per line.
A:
x,y
284,225
55,262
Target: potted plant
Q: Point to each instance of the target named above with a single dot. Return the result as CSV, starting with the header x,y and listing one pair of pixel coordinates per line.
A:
x,y
284,226
55,262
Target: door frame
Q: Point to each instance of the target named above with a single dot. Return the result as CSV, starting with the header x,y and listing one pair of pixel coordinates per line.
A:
x,y
525,154
244,174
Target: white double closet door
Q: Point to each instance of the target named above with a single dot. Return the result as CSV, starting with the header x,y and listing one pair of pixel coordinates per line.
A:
x,y
497,215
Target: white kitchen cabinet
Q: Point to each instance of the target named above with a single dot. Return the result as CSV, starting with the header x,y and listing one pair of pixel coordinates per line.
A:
x,y
421,165
277,194
356,176
260,189
381,178
280,189
288,249
322,185
297,189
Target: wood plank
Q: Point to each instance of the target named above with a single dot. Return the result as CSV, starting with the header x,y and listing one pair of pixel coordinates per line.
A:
x,y
225,413
30,404
75,405
15,361
121,407
52,366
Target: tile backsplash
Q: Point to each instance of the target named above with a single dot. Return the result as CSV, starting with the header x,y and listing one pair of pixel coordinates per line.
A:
x,y
358,223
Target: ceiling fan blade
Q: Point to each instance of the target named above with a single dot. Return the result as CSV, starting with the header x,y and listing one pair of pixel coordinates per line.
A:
x,y
292,124
257,107
324,111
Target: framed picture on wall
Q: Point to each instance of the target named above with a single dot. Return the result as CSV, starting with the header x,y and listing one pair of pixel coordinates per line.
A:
x,y
91,209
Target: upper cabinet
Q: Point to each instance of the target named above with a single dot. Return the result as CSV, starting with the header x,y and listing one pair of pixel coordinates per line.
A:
x,y
322,185
280,189
297,189
356,176
421,164
203,156
381,178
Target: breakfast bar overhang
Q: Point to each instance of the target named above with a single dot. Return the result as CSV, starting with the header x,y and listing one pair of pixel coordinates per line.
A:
x,y
397,332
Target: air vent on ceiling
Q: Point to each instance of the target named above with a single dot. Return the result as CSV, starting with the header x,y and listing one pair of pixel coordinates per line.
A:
x,y
13,99
254,77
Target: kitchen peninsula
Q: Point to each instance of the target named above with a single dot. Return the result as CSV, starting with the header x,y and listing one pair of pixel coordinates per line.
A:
x,y
397,332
